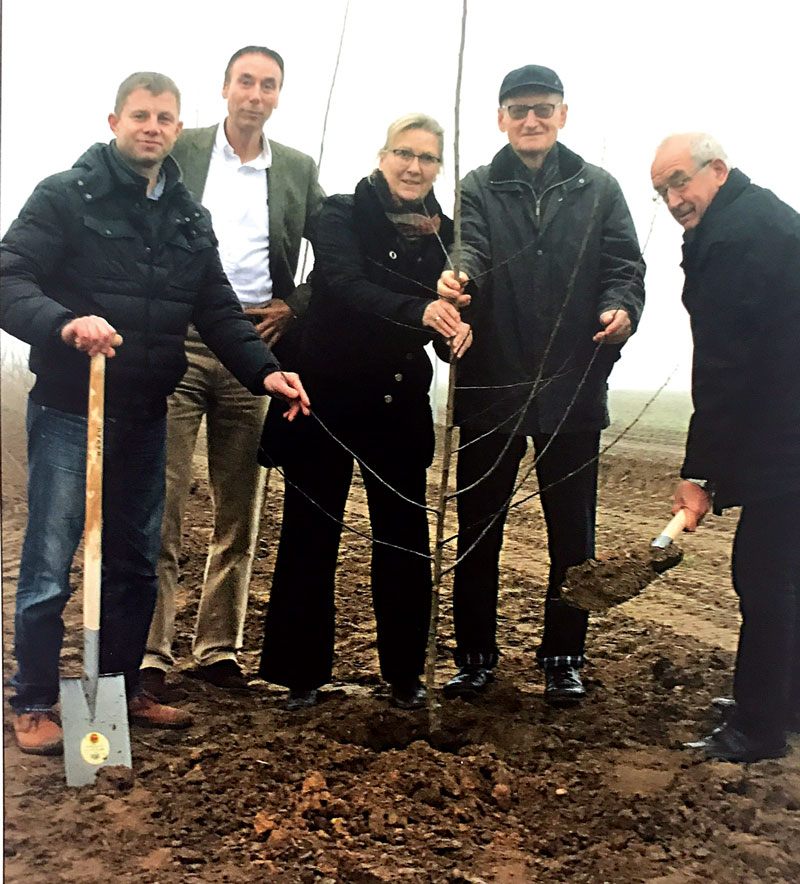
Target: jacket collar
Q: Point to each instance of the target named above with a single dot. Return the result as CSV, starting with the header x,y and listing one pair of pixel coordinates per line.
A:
x,y
505,167
735,185
104,170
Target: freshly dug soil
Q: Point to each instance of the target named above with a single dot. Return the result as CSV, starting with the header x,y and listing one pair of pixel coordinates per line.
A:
x,y
600,584
508,790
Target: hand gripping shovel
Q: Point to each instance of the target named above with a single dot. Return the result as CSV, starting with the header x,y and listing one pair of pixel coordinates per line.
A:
x,y
94,710
622,575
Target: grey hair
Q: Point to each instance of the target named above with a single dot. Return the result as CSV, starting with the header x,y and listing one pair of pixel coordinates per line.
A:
x,y
413,121
703,148
154,83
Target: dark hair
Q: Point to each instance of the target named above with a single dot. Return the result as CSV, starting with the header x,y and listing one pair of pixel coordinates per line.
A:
x,y
254,50
154,83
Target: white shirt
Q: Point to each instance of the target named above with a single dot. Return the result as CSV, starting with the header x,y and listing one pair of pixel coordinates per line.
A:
x,y
236,195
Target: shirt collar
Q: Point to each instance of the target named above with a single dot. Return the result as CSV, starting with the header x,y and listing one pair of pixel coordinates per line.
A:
x,y
262,161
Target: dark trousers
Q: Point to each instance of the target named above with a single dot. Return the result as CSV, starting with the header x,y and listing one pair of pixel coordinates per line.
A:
x,y
300,623
766,576
569,506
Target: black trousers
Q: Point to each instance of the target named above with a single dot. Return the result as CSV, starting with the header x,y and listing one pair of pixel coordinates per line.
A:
x,y
569,506
300,624
766,577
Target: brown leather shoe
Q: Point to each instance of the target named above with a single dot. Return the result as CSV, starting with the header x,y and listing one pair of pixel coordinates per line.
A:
x,y
39,733
145,710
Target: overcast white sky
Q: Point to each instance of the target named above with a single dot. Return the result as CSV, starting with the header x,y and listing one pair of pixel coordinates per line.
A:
x,y
633,72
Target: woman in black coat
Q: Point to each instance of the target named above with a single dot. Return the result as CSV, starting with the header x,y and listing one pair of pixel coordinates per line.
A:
x,y
378,254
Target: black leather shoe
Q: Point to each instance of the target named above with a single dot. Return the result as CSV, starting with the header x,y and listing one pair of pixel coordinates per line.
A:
x,y
470,681
728,743
224,674
563,686
408,696
302,699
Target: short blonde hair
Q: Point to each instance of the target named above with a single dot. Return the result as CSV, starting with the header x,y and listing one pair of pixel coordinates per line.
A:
x,y
413,121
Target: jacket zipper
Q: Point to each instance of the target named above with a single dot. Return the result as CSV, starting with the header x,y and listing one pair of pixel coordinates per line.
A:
x,y
544,192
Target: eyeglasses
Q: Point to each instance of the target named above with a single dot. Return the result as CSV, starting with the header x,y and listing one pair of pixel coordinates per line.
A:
x,y
408,156
678,183
520,111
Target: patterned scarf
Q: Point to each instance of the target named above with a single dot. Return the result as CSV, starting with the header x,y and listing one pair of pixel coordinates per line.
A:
x,y
412,218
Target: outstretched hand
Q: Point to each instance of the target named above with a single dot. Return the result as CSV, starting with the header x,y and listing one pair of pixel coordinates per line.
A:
x,y
287,385
617,327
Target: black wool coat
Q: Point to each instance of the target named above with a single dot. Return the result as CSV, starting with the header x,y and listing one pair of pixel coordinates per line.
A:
x,y
544,267
742,292
362,356
89,241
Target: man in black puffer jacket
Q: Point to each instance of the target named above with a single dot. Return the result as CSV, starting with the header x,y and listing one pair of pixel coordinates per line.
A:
x,y
113,247
741,255
556,277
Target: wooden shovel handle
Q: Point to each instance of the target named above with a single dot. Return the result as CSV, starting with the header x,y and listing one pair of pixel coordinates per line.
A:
x,y
671,530
675,525
93,526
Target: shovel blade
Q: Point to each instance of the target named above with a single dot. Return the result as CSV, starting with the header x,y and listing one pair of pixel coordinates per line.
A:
x,y
98,737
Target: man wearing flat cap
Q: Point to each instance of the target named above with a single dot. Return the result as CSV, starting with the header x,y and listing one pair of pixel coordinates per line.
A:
x,y
551,260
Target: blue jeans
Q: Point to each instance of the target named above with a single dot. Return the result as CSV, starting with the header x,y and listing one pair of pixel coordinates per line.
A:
x,y
133,503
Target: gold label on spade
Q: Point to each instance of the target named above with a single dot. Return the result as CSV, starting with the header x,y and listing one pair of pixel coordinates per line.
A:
x,y
95,748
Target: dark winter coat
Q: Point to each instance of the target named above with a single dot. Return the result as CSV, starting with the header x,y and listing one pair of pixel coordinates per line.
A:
x,y
742,291
544,270
89,241
362,357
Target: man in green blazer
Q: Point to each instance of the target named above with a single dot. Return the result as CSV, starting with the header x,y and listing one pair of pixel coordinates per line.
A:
x,y
263,198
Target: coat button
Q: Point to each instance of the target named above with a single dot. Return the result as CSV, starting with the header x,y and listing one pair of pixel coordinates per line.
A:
x,y
393,256
539,252
108,232
80,182
580,181
398,377
387,399
87,197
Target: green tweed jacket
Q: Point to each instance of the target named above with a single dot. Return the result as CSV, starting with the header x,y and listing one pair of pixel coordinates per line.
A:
x,y
295,199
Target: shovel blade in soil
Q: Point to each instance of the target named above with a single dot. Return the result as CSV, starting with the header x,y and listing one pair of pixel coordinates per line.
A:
x,y
94,737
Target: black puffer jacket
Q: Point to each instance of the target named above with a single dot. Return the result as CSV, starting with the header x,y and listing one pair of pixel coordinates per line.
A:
x,y
89,241
742,291
525,260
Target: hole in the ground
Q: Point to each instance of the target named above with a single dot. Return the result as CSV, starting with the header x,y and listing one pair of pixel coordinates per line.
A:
x,y
388,730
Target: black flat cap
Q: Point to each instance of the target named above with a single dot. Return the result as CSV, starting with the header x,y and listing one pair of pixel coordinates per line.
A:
x,y
532,75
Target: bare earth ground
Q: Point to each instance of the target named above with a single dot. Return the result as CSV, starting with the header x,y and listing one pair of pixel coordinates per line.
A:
x,y
506,790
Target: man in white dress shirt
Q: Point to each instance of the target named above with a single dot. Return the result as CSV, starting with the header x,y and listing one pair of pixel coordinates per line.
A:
x,y
263,198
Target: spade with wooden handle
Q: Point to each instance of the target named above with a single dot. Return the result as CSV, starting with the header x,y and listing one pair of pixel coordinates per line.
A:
x,y
94,709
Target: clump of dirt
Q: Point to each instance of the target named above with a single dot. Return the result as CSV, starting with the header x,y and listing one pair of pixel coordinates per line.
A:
x,y
600,584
